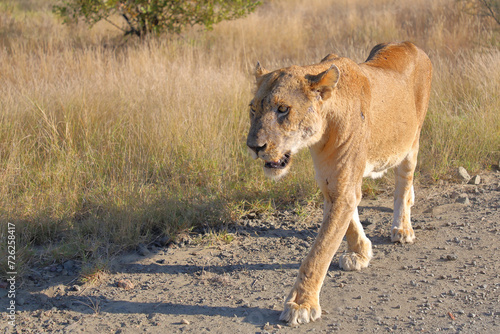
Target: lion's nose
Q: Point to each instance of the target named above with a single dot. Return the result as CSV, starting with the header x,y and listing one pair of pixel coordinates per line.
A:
x,y
256,148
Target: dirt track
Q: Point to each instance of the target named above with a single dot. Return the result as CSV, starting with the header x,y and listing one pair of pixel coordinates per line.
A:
x,y
447,281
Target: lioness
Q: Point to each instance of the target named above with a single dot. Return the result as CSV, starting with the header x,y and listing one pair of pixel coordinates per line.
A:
x,y
358,120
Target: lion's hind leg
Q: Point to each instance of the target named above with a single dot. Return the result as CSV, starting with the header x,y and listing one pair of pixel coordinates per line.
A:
x,y
404,198
359,247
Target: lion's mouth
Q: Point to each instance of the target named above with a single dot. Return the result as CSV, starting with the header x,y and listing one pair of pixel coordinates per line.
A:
x,y
280,164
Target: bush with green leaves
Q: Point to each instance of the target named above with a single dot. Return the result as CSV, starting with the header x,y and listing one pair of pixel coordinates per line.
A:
x,y
143,17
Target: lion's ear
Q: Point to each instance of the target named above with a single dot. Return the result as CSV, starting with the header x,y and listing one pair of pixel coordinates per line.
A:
x,y
260,71
325,82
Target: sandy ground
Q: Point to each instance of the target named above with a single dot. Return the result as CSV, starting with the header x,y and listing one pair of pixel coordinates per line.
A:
x,y
448,281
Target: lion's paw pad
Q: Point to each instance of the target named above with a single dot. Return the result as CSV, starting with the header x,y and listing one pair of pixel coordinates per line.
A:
x,y
403,235
295,314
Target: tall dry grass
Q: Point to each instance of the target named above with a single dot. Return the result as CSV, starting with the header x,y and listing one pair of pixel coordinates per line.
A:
x,y
106,142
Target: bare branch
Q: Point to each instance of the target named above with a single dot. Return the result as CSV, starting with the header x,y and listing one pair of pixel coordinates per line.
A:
x,y
491,12
114,24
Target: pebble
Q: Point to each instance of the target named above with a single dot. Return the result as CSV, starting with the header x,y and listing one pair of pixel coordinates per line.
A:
x,y
462,173
451,257
185,322
68,265
267,327
367,222
125,284
163,241
475,180
142,250
463,199
44,299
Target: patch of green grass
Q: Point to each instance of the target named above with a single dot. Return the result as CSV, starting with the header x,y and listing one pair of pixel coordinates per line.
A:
x,y
462,127
213,238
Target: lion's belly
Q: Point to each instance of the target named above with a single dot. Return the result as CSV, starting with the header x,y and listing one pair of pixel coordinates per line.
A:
x,y
393,129
376,169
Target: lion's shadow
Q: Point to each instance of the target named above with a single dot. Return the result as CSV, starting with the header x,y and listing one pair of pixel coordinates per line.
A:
x,y
96,305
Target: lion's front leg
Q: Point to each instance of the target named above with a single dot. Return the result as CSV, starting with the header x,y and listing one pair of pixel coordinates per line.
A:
x,y
302,304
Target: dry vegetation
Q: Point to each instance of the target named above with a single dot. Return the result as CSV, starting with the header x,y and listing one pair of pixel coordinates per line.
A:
x,y
105,142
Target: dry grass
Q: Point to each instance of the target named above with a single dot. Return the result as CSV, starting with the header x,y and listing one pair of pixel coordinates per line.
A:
x,y
105,142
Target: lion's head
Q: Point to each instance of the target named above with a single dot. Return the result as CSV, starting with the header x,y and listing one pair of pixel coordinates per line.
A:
x,y
286,113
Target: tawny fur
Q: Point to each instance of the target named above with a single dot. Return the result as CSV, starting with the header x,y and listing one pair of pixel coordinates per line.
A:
x,y
357,120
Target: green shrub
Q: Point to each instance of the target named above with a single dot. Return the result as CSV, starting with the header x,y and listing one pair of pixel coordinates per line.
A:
x,y
143,17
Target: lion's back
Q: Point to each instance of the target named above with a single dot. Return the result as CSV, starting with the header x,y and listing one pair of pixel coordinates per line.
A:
x,y
400,57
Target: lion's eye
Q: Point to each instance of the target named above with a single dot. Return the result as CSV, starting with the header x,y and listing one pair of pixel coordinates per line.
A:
x,y
283,109
252,110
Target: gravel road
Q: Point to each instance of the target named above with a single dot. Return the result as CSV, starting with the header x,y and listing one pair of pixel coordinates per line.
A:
x,y
448,281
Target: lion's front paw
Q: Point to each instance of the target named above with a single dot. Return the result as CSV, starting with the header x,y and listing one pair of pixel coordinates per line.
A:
x,y
353,261
403,235
303,313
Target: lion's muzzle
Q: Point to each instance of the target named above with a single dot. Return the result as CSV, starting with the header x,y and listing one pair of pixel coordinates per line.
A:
x,y
256,148
280,164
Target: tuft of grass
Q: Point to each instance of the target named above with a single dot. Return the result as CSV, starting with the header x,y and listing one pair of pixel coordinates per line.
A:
x,y
94,272
106,142
372,188
212,238
93,304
